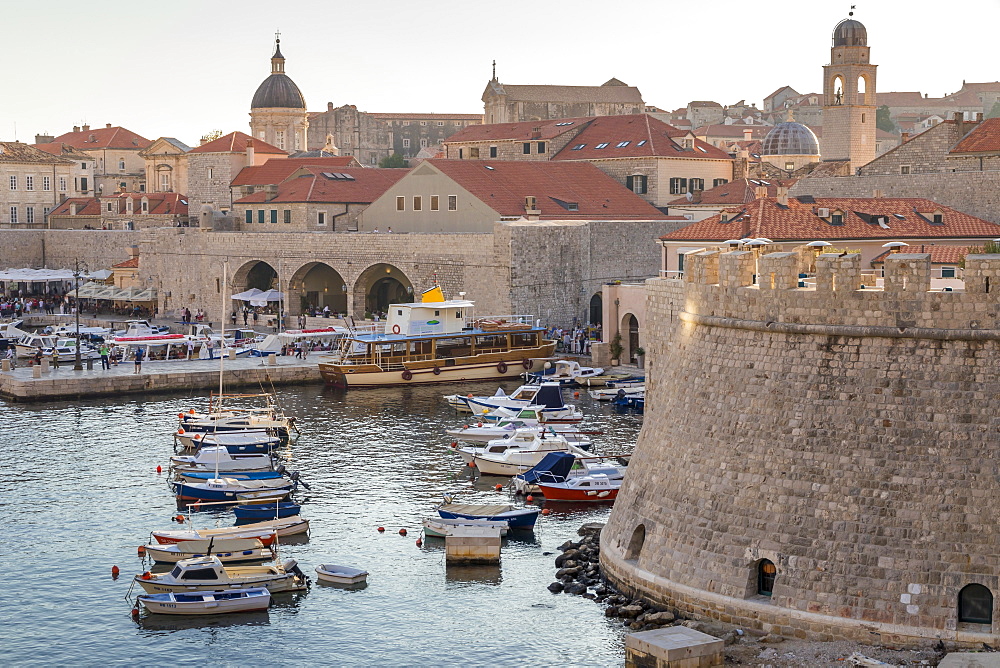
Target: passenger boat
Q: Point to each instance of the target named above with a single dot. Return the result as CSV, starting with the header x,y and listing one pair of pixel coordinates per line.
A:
x,y
440,528
516,518
218,457
517,454
266,511
263,531
236,442
228,550
210,573
206,602
436,341
141,333
593,487
565,372
342,575
328,338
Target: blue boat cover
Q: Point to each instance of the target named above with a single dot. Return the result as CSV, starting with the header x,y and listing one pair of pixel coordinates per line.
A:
x,y
554,467
550,396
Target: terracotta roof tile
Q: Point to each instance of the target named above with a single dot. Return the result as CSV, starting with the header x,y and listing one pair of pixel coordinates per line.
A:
x,y
798,221
739,191
276,171
523,131
985,138
16,152
939,254
131,263
236,142
308,184
167,204
503,185
635,136
97,138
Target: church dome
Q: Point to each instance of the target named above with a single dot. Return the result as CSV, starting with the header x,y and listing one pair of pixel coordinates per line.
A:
x,y
790,138
850,33
278,90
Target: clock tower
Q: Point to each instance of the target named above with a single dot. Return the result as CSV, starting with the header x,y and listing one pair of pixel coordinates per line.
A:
x,y
849,97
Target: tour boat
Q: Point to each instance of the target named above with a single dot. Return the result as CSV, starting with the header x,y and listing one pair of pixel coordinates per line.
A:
x,y
565,372
592,487
523,450
218,457
343,575
266,511
263,531
516,518
251,441
441,528
436,341
139,332
210,573
250,599
223,489
228,550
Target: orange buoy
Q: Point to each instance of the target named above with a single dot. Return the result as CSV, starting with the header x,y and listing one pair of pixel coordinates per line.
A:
x,y
191,411
420,542
576,395
545,511
454,444
381,529
115,571
480,424
402,532
179,519
472,465
142,550
135,612
181,430
159,469
498,487
147,576
196,506
529,498
469,395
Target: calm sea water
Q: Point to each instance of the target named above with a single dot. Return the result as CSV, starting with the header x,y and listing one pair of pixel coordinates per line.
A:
x,y
81,493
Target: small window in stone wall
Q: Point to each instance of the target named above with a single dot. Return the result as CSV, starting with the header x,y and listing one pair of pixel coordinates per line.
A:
x,y
766,572
904,169
286,215
975,605
249,216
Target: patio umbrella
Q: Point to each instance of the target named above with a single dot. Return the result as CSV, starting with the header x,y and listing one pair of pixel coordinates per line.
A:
x,y
818,244
247,295
270,296
895,244
756,243
731,242
765,240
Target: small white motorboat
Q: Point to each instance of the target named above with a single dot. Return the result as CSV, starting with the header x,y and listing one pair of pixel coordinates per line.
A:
x,y
250,441
439,527
218,458
612,393
264,531
520,452
206,602
483,432
228,550
344,575
210,573
565,372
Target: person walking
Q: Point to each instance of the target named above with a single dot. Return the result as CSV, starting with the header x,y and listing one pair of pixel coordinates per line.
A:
x,y
211,349
103,350
55,358
298,350
139,352
246,314
190,347
12,358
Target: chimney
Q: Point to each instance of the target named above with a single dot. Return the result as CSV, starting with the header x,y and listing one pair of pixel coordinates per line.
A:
x,y
783,195
107,125
43,139
76,128
270,191
536,133
960,123
250,153
133,251
760,192
747,134
904,137
86,128
696,196
73,209
531,211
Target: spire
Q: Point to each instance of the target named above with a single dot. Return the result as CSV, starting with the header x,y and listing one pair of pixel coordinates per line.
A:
x,y
277,60
494,70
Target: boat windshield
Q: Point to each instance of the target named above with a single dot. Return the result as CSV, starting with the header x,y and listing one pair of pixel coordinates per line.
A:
x,y
176,573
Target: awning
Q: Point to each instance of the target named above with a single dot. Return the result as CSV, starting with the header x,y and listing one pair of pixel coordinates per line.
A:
x,y
248,294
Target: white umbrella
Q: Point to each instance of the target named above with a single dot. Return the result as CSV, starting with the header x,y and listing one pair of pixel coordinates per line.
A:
x,y
270,296
818,244
765,240
246,296
756,243
895,244
732,242
745,240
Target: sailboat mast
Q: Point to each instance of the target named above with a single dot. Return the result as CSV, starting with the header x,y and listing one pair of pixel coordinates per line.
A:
x,y
222,320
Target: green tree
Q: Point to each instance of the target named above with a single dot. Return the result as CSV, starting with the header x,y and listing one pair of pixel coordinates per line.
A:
x,y
211,136
882,120
394,161
995,111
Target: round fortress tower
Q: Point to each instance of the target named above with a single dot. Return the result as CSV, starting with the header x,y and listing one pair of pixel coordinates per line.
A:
x,y
819,462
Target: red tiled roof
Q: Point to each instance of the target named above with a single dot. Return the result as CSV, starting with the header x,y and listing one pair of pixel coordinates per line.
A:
x,y
16,152
939,254
308,184
107,137
655,136
159,204
503,185
236,142
798,221
276,171
518,131
985,138
63,151
739,191
426,117
132,263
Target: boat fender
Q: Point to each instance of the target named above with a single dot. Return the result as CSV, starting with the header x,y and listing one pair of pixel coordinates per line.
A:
x,y
437,371
402,532
181,430
147,576
180,416
502,367
395,329
527,364
407,375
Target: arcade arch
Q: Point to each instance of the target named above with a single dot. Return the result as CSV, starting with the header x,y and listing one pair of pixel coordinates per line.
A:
x,y
255,274
315,285
630,336
380,285
596,309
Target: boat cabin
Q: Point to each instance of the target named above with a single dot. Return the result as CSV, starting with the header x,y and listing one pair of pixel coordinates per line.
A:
x,y
447,317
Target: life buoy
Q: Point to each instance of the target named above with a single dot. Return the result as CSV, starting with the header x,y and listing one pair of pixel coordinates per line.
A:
x,y
527,364
395,329
502,367
407,374
437,371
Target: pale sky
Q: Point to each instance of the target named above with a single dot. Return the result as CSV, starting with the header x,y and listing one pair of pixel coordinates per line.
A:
x,y
185,67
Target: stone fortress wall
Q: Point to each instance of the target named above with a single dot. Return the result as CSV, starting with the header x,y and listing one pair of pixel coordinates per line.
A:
x,y
846,435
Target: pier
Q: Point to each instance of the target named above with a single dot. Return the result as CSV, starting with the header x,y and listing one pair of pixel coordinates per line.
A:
x,y
22,384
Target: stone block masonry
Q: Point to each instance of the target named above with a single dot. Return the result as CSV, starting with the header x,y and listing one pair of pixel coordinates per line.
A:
x,y
846,436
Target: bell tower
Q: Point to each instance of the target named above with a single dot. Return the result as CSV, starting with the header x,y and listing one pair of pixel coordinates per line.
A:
x,y
849,97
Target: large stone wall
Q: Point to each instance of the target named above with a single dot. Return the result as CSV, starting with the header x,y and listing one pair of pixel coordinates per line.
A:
x,y
59,249
846,435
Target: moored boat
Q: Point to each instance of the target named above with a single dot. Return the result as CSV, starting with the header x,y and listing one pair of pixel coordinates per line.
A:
x,y
263,531
516,518
218,458
224,489
343,575
565,372
520,452
439,527
210,573
228,550
593,487
250,441
266,511
206,602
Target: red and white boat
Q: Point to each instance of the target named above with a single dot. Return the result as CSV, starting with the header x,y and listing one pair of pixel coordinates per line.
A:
x,y
262,531
140,332
594,487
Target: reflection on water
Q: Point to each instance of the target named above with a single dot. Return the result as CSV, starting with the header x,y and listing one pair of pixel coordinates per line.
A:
x,y
82,493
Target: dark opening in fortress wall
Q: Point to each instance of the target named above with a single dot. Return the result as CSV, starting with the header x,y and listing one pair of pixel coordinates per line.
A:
x,y
847,436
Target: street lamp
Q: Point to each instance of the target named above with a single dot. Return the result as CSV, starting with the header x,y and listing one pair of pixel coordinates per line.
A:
x,y
78,365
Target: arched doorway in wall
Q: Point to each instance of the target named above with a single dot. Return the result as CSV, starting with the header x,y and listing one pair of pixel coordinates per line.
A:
x,y
630,336
315,285
596,309
381,285
255,274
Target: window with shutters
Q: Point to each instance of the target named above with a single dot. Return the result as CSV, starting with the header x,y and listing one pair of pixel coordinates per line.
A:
x,y
678,186
719,182
493,151
274,216
526,148
636,183
453,202
260,216
286,216
249,216
434,202
696,184
417,203
400,203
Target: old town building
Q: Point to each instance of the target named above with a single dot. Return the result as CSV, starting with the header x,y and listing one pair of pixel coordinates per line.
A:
x,y
409,133
509,103
121,211
118,165
849,97
269,174
32,183
278,110
349,131
166,165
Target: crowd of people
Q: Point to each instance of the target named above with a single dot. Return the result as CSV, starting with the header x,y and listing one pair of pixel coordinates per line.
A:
x,y
576,340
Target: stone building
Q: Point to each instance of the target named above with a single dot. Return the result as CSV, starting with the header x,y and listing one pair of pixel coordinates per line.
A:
x,y
259,177
509,103
722,135
409,133
278,110
702,112
166,165
738,192
814,461
925,153
775,102
118,165
214,165
352,132
849,97
121,211
313,198
32,183
970,99
81,180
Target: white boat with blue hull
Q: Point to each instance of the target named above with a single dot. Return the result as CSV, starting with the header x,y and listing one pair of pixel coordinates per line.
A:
x,y
228,550
516,518
236,442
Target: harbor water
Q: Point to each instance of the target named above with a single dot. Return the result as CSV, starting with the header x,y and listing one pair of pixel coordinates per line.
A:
x,y
82,493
